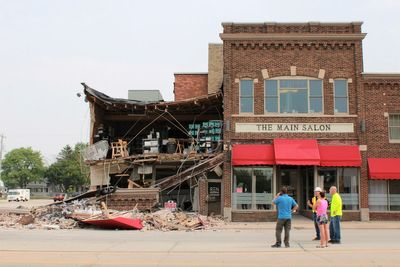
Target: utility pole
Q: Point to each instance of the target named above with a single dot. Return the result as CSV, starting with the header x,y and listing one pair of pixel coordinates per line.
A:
x,y
1,151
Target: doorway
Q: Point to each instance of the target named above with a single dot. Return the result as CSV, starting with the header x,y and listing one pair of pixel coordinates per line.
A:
x,y
214,197
299,181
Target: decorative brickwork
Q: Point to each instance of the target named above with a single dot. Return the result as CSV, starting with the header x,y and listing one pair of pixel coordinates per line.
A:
x,y
257,52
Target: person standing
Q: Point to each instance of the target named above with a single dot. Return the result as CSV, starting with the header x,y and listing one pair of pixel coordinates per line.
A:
x,y
321,208
311,203
336,216
286,206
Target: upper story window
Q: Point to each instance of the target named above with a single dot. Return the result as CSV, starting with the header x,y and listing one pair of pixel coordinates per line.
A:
x,y
293,96
394,127
341,96
246,96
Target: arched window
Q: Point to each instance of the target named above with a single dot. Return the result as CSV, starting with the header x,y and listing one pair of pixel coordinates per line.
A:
x,y
300,95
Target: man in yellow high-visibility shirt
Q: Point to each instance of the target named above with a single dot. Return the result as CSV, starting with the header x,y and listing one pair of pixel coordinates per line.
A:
x,y
336,216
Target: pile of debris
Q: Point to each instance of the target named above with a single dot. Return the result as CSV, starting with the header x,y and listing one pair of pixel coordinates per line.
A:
x,y
79,213
167,220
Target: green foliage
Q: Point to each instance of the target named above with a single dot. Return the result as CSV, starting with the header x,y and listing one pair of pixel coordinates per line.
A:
x,y
22,166
69,172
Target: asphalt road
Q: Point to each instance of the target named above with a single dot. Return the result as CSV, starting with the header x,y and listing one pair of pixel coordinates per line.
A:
x,y
367,247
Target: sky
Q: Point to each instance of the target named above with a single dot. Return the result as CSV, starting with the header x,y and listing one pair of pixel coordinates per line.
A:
x,y
47,48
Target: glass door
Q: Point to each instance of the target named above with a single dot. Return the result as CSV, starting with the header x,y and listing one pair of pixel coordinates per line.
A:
x,y
299,180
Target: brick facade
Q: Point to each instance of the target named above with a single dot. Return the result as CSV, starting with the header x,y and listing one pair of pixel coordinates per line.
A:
x,y
188,86
325,51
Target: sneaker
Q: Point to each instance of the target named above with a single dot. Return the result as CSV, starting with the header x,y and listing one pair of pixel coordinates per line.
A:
x,y
331,241
276,245
287,246
316,238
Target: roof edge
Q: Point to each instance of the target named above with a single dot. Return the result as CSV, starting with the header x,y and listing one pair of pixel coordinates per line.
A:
x,y
292,23
380,75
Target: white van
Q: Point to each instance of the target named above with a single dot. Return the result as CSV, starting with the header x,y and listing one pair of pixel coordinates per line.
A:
x,y
18,195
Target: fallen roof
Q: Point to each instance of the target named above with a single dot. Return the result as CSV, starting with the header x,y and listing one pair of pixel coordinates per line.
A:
x,y
93,95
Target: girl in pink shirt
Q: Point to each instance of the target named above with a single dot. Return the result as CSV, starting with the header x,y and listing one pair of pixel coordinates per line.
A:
x,y
321,206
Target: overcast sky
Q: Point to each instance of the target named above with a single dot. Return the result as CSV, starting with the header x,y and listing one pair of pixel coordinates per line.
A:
x,y
47,48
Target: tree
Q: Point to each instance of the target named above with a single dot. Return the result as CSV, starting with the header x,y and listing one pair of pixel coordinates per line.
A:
x,y
69,172
22,166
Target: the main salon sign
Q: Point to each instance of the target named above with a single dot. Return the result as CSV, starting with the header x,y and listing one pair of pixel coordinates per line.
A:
x,y
294,127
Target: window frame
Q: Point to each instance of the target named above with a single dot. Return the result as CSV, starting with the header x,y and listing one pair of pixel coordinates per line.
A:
x,y
338,172
253,187
308,79
347,97
388,200
389,127
240,96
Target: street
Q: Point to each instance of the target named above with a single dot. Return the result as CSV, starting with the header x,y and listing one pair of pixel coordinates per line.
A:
x,y
88,247
28,204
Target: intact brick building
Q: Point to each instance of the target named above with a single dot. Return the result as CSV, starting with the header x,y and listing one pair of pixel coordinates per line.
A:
x,y
299,111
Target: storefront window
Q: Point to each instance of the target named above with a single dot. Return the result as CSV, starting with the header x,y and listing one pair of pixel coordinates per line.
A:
x,y
242,193
384,195
329,178
252,188
263,177
348,187
394,191
347,182
378,195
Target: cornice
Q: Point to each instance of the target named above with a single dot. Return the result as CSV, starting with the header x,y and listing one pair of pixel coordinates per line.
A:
x,y
291,36
381,76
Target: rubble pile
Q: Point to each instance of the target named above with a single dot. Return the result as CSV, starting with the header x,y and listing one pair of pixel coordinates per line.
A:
x,y
167,220
54,216
73,215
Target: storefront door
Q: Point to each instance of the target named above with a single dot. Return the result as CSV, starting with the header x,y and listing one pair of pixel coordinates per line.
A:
x,y
299,181
214,197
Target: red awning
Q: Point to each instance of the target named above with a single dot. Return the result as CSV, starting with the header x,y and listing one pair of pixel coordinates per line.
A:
x,y
252,155
340,156
381,168
296,152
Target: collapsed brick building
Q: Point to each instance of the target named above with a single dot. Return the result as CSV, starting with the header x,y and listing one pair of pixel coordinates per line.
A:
x,y
298,111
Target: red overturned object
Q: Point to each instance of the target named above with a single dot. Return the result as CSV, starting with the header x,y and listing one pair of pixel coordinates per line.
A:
x,y
116,223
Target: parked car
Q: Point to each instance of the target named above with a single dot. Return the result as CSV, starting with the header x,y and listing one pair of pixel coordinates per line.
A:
x,y
18,195
59,197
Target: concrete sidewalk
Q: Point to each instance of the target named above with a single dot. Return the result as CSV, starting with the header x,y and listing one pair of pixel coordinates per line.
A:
x,y
305,223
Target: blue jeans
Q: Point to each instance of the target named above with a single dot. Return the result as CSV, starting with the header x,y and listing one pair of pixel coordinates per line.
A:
x,y
334,228
314,217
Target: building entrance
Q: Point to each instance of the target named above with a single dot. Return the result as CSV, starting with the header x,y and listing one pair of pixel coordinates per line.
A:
x,y
299,181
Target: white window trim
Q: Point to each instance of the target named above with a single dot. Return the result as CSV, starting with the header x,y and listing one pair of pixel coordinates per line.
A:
x,y
392,141
279,95
334,97
240,97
